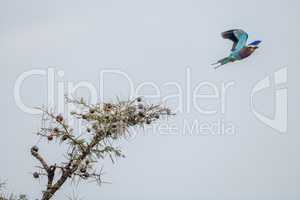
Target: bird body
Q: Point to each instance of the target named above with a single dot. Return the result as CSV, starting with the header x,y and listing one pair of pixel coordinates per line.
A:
x,y
246,52
240,50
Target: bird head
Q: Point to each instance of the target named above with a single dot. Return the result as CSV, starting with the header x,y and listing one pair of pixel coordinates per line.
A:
x,y
253,48
254,45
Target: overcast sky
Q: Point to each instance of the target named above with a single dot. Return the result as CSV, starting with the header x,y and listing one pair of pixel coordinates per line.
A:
x,y
170,43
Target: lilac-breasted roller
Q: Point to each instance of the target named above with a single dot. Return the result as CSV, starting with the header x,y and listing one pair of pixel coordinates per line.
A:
x,y
239,49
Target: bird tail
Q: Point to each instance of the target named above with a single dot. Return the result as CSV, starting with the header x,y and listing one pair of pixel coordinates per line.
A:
x,y
222,62
216,65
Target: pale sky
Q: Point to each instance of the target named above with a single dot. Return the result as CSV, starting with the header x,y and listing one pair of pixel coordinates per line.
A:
x,y
162,42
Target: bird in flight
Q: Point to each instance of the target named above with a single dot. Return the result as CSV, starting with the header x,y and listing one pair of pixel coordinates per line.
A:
x,y
239,49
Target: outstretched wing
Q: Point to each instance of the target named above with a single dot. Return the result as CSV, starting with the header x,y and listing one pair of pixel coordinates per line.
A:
x,y
238,36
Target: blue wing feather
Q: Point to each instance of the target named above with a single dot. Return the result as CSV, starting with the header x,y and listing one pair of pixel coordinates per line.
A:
x,y
242,39
255,43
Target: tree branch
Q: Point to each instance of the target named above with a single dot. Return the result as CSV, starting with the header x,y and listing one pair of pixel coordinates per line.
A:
x,y
35,154
104,123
